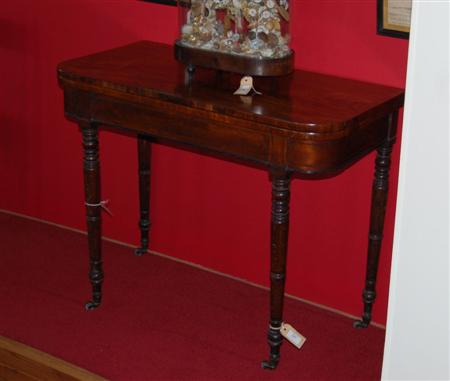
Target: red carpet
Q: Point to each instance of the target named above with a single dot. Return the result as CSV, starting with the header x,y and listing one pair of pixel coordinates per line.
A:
x,y
161,320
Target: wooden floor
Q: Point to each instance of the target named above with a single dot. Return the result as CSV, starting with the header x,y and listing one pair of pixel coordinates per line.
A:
x,y
19,362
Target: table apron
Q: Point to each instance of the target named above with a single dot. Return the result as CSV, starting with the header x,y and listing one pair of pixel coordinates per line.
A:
x,y
325,158
230,137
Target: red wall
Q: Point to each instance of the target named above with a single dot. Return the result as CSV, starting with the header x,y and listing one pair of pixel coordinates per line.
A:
x,y
207,211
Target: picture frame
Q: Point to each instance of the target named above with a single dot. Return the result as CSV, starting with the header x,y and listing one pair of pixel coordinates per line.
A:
x,y
164,2
394,18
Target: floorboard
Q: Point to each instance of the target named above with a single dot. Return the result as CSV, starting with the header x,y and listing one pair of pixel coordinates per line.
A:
x,y
19,362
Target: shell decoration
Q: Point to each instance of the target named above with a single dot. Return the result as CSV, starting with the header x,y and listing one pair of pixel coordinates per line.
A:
x,y
255,28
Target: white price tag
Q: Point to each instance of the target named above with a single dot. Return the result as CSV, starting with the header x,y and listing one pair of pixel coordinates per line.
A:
x,y
292,335
246,86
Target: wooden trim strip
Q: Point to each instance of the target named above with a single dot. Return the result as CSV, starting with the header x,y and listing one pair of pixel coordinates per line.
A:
x,y
19,362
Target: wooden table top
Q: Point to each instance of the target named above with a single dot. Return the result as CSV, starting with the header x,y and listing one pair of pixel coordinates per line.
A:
x,y
301,102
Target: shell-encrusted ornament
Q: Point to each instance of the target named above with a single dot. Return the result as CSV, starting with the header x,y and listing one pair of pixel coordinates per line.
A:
x,y
245,27
263,36
272,40
187,29
220,4
237,4
251,14
267,52
283,12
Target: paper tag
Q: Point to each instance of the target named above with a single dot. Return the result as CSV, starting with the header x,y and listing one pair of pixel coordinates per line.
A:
x,y
246,86
292,335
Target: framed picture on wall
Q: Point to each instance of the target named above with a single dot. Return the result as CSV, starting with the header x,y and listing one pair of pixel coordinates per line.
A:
x,y
165,2
394,17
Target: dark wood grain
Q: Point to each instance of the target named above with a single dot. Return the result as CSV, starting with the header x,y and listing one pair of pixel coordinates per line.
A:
x,y
93,210
19,362
305,124
267,67
380,189
144,163
279,242
323,104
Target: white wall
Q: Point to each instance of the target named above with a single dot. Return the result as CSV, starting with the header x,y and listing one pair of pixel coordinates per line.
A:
x,y
417,336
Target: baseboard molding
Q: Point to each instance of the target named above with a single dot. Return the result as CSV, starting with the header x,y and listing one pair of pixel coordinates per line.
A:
x,y
19,362
318,305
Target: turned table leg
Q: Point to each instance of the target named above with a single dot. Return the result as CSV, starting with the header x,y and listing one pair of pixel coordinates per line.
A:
x,y
144,154
279,241
93,210
377,216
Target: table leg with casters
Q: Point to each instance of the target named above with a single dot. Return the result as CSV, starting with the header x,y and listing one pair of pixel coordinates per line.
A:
x,y
279,240
144,158
93,210
377,214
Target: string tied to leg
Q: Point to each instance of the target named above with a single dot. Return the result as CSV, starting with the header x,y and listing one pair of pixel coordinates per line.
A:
x,y
102,204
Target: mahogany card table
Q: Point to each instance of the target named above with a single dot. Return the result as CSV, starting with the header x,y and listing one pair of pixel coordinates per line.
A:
x,y
304,125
